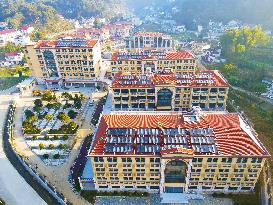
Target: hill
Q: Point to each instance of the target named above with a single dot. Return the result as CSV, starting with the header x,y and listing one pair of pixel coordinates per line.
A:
x,y
201,11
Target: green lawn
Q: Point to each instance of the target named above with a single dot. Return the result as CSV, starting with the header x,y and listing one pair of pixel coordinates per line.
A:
x,y
241,199
8,82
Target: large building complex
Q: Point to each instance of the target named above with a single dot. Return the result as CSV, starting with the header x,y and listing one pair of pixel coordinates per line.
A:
x,y
141,62
149,40
169,91
71,60
168,152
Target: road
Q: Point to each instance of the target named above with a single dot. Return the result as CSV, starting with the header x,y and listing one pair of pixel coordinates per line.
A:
x,y
14,189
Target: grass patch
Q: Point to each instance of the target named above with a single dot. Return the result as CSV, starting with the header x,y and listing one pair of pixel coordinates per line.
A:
x,y
241,199
7,82
90,196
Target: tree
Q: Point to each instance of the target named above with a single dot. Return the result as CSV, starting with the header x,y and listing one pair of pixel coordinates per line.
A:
x,y
51,146
72,114
77,103
49,117
46,137
64,117
65,137
62,146
56,156
49,96
41,146
32,118
38,103
55,137
67,96
46,156
29,113
34,137
37,109
16,21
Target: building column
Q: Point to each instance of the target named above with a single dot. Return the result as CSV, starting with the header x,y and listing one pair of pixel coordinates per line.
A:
x,y
188,175
162,179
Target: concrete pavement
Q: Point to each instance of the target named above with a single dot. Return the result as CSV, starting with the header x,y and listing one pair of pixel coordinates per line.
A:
x,y
14,189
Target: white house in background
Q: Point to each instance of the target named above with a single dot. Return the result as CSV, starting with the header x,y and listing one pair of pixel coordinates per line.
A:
x,y
22,40
179,28
14,57
7,35
25,29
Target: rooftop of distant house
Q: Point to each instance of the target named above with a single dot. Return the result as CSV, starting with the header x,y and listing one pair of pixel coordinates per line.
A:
x,y
13,54
205,78
202,133
7,31
149,34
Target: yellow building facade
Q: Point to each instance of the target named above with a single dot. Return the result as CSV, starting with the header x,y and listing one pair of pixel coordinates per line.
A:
x,y
180,62
169,91
171,153
68,59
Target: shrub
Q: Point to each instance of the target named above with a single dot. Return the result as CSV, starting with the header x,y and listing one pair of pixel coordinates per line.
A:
x,y
51,146
62,146
41,146
32,118
49,117
57,156
64,117
34,137
38,103
46,137
72,114
37,109
55,137
46,156
65,137
28,113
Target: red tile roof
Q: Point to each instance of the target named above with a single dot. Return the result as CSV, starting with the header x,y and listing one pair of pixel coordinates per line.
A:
x,y
168,55
45,43
229,136
173,55
12,54
24,27
208,78
7,31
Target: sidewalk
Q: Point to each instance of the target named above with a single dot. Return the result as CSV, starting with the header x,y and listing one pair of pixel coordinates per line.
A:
x,y
14,189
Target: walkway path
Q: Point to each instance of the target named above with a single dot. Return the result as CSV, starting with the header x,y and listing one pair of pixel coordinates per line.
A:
x,y
14,189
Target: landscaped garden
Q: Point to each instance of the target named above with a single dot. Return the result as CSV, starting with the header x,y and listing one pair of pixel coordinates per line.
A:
x,y
50,125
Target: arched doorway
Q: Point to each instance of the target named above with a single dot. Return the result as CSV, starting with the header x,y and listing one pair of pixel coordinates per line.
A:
x,y
164,99
50,63
175,172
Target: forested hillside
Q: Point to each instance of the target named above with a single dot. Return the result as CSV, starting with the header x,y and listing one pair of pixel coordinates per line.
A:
x,y
201,11
19,12
44,14
87,8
